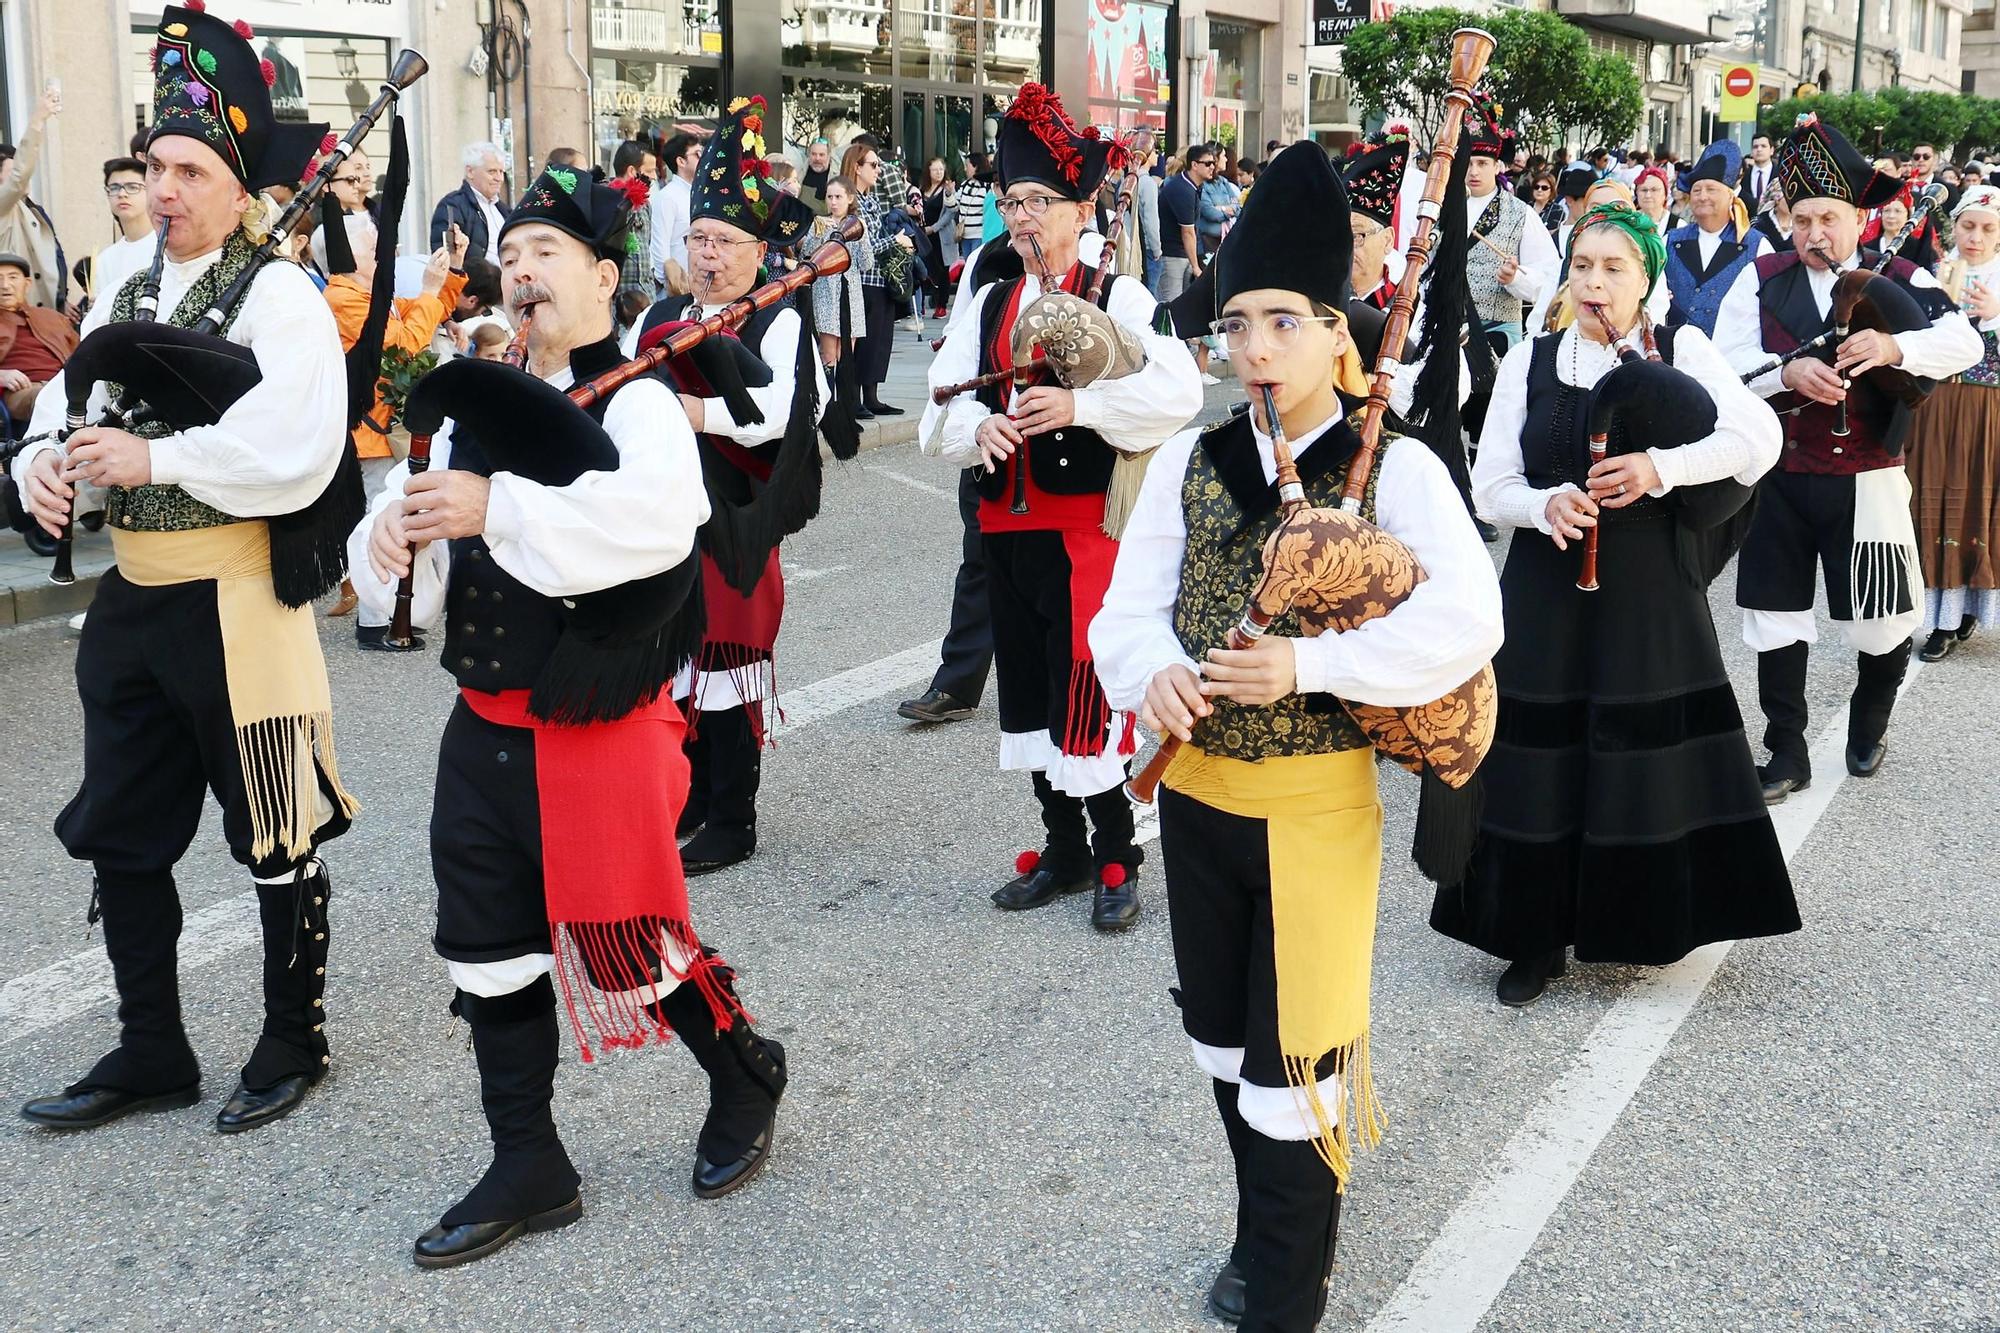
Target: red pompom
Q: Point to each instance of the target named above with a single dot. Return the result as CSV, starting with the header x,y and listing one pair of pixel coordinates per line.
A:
x,y
198,6
1113,875
327,141
269,71
244,30
1025,863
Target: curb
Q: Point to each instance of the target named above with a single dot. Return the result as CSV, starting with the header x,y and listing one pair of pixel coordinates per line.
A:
x,y
18,606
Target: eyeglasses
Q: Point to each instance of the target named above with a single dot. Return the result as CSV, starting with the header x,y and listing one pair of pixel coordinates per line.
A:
x,y
1366,233
351,180
120,189
1034,205
697,241
1278,331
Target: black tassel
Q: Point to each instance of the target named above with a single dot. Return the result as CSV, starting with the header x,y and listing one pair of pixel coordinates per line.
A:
x,y
1434,414
838,427
364,359
1447,827
309,546
583,682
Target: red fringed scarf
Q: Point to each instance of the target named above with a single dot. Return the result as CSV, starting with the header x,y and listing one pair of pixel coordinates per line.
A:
x,y
610,795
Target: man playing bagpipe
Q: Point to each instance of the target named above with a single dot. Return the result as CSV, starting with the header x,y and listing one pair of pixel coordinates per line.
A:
x,y
1044,458
737,218
199,667
1270,825
1839,499
557,545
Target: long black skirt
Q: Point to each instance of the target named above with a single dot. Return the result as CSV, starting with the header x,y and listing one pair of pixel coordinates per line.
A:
x,y
1623,815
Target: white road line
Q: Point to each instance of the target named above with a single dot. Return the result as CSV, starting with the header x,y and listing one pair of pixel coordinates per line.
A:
x,y
82,982
1466,1267
915,483
800,574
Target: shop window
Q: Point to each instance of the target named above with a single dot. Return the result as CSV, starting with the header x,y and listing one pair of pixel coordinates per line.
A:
x,y
319,78
1128,65
658,27
1235,46
833,109
639,97
851,35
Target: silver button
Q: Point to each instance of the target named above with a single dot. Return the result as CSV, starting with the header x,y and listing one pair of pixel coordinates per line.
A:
x,y
1837,449
1058,435
465,662
502,756
499,631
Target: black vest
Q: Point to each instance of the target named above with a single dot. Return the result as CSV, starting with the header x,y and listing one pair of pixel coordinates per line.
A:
x,y
725,480
1070,461
1555,440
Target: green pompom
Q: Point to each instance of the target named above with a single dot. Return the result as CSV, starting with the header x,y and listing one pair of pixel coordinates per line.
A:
x,y
206,59
631,244
564,177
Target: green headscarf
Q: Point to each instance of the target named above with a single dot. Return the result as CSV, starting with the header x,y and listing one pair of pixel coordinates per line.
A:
x,y
1635,224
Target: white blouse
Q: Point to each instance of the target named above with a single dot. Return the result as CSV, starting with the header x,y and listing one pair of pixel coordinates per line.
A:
x,y
1422,650
1744,446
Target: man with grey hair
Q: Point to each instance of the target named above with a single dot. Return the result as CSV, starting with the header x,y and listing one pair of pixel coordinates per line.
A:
x,y
478,205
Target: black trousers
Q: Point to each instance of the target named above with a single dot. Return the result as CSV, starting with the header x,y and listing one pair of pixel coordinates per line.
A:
x,y
967,656
158,735
871,356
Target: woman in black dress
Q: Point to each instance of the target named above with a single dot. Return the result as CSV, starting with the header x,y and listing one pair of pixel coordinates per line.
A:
x,y
1623,812
936,188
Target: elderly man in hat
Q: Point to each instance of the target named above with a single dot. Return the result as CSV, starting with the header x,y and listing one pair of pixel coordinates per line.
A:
x,y
200,667
1705,257
1838,503
34,340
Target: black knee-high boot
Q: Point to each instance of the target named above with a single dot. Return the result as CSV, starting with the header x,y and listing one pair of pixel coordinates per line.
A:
x,y
531,1184
746,1080
1878,677
1115,899
1226,1296
152,1067
1781,692
1290,1219
735,769
291,1053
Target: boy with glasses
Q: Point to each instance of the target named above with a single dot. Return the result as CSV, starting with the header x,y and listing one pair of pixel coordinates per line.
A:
x,y
125,194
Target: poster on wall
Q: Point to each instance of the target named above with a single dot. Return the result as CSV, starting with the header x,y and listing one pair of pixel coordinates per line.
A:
x,y
1128,50
1333,21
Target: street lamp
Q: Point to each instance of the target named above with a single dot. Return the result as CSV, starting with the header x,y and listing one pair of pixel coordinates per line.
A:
x,y
346,59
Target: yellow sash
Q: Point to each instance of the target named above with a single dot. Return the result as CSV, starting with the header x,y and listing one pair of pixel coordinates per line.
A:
x,y
1323,821
279,699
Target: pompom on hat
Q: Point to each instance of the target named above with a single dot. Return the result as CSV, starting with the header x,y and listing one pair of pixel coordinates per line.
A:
x,y
1373,172
733,183
210,85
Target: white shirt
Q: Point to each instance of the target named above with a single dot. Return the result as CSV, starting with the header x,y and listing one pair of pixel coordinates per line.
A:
x,y
1760,179
1133,413
778,350
1744,446
118,261
1539,264
491,212
670,223
1425,648
276,448
601,530
1948,346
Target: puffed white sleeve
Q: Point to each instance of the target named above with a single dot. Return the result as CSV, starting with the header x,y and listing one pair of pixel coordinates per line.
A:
x,y
1540,266
429,572
1747,435
949,431
1139,411
1450,625
276,448
606,528
1132,636
1947,347
1739,334
780,349
1500,489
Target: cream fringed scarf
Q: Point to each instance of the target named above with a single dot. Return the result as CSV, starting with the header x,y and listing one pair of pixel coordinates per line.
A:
x,y
278,693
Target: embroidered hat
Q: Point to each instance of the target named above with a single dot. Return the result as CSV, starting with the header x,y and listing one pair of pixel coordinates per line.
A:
x,y
1373,172
208,84
1483,135
1978,199
571,202
733,183
1815,161
1720,161
1039,142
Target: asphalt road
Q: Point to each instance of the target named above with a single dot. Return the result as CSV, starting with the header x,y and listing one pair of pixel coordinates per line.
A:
x,y
993,1123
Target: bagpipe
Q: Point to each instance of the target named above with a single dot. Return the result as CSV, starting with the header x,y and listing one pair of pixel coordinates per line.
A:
x,y
1867,298
1336,570
614,641
185,378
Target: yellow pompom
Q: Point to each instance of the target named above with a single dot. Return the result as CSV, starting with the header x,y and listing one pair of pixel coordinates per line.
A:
x,y
737,104
175,30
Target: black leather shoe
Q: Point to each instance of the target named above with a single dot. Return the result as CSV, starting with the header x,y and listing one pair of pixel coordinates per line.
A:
x,y
1523,982
248,1108
1966,629
1115,907
375,639
1938,646
863,414
91,1107
885,410
716,848
1487,532
1863,761
712,1181
1780,782
1037,888
447,1247
1228,1295
935,706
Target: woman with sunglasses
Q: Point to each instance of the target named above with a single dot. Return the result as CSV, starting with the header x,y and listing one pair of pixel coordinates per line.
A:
x,y
862,165
1270,825
1624,815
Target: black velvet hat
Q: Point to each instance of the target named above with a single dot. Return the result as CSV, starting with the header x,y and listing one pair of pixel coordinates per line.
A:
x,y
1039,142
733,183
573,203
1268,246
1483,135
208,84
1374,171
1815,161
